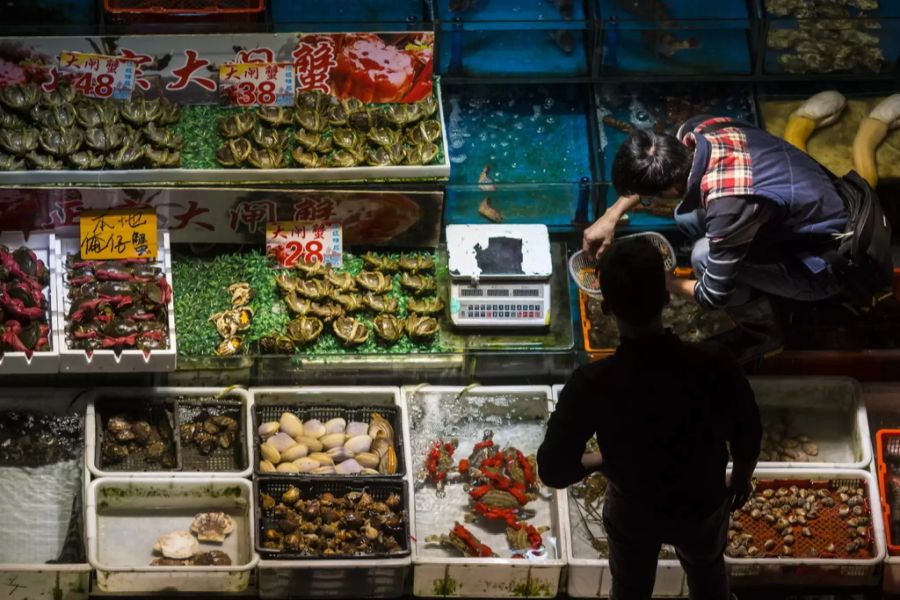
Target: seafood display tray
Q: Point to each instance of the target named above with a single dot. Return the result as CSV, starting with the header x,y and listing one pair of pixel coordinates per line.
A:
x,y
42,579
127,361
313,402
379,489
44,247
815,571
591,577
125,516
436,572
177,401
829,410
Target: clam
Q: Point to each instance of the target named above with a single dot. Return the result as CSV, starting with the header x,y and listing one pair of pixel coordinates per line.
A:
x,y
339,454
369,471
375,281
306,464
388,327
425,306
379,427
287,467
237,125
178,544
295,452
388,463
303,330
417,284
313,428
324,470
359,443
212,526
348,467
350,330
335,425
420,327
380,446
274,115
19,141
368,460
291,424
266,467
280,441
321,458
270,454
381,303
355,428
312,443
268,429
332,440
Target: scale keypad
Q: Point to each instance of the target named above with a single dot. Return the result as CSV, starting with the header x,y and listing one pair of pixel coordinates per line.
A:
x,y
502,311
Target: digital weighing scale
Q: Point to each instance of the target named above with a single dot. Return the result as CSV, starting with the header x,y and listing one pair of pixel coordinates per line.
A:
x,y
499,276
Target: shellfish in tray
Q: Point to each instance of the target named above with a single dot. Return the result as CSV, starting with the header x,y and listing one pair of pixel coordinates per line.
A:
x,y
375,281
351,331
388,327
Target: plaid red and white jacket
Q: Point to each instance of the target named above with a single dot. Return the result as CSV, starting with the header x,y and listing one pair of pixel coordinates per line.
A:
x,y
730,168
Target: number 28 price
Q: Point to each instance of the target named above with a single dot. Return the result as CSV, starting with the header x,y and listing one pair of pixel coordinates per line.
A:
x,y
295,251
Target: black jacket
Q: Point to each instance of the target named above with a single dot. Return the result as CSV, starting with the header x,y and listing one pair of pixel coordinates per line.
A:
x,y
663,411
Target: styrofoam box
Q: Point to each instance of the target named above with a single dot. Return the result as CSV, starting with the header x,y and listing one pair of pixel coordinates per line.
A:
x,y
345,578
126,515
591,577
435,575
127,361
92,453
819,572
22,581
44,246
828,410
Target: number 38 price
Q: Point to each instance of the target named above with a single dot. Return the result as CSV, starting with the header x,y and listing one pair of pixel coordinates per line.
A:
x,y
295,251
249,93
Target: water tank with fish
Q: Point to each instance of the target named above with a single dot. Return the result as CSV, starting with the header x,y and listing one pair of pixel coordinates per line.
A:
x,y
359,15
832,36
514,38
519,154
675,37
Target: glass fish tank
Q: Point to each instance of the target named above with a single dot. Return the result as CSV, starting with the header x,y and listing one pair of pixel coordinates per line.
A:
x,y
662,107
675,37
358,15
48,17
831,36
501,169
514,38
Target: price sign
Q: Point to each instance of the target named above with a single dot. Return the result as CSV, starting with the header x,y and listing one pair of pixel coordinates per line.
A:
x,y
290,242
257,84
98,76
118,234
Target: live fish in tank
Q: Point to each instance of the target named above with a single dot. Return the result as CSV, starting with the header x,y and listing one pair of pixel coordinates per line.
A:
x,y
661,42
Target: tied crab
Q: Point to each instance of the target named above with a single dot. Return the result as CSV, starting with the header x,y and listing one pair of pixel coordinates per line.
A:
x,y
313,268
425,306
303,330
237,125
388,327
234,153
342,281
417,284
19,141
229,346
20,96
351,331
420,327
463,540
32,338
416,262
275,116
314,289
140,111
380,262
381,304
424,132
313,141
276,344
328,312
439,463
374,281
162,137
348,301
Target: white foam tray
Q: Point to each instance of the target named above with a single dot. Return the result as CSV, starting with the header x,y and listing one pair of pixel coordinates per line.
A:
x,y
120,546
435,576
128,361
91,453
44,246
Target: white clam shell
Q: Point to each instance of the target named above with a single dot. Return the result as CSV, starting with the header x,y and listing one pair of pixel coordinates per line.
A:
x,y
287,467
313,444
266,467
269,429
355,428
306,464
314,428
322,458
335,425
294,452
339,454
291,424
270,454
324,470
281,441
360,443
348,467
368,471
333,440
368,460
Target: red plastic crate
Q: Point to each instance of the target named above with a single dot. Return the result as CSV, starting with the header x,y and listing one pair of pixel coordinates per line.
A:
x,y
184,8
893,546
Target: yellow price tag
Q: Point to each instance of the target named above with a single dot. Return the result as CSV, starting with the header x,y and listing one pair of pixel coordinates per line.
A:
x,y
117,234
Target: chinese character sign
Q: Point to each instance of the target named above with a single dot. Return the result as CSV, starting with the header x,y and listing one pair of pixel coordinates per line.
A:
x,y
290,242
98,76
118,234
257,84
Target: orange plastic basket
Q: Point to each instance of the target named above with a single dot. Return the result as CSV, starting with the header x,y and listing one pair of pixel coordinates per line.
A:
x,y
181,8
881,440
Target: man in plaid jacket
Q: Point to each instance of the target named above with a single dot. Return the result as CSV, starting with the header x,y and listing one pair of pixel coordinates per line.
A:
x,y
761,211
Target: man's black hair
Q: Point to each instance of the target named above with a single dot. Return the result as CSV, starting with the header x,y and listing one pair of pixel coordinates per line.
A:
x,y
648,163
633,281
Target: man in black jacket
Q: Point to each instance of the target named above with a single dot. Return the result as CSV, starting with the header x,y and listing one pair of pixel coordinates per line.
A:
x,y
665,414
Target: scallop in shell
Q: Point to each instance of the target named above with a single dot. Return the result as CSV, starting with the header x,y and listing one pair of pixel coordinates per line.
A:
x,y
212,526
178,544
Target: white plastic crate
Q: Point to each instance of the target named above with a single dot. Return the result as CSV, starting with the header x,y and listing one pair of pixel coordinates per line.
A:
x,y
125,517
344,578
829,410
73,360
30,581
44,246
92,452
589,577
436,574
819,572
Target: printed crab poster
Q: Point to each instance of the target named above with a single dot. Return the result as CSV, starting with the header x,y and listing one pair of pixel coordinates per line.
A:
x,y
373,67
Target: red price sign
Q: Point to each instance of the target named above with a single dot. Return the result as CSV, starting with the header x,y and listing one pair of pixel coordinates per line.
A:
x,y
292,242
257,84
97,75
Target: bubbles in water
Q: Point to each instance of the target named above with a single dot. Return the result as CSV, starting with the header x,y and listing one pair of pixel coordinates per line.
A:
x,y
549,120
483,136
504,144
511,102
519,125
539,130
514,165
548,103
